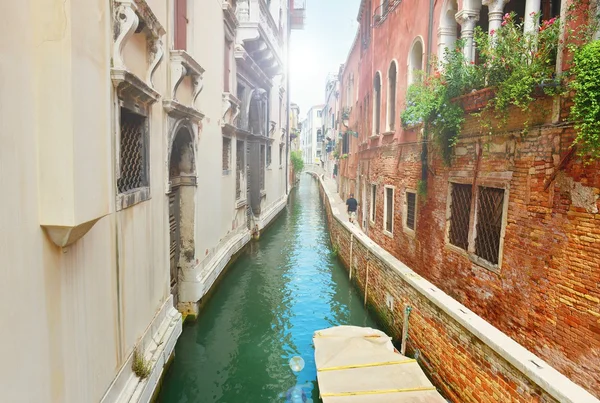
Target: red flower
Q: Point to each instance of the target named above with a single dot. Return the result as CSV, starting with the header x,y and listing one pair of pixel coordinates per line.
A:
x,y
492,32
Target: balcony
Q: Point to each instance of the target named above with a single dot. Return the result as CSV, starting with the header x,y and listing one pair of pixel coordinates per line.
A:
x,y
260,35
298,14
383,10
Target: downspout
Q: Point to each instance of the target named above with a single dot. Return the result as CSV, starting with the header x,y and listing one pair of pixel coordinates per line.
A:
x,y
430,35
287,95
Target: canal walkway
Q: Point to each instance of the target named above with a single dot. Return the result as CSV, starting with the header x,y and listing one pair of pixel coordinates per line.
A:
x,y
264,312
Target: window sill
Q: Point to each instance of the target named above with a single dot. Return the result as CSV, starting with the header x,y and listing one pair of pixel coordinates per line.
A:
x,y
263,193
241,203
410,232
374,136
132,197
388,233
484,263
389,133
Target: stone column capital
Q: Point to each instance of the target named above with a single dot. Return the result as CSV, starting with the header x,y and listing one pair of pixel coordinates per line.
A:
x,y
495,5
467,19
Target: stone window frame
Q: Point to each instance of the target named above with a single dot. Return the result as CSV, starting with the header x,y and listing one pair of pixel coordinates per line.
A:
x,y
411,64
490,181
391,107
407,230
385,209
373,203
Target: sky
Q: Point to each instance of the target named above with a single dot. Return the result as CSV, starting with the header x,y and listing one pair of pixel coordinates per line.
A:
x,y
320,48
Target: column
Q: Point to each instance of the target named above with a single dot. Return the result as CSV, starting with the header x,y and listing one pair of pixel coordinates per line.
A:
x,y
467,20
496,12
531,6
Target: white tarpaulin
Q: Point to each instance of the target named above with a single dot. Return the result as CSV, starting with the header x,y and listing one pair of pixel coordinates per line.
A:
x,y
358,364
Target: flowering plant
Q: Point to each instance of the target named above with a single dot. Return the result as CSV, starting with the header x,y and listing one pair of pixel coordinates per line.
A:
x,y
516,62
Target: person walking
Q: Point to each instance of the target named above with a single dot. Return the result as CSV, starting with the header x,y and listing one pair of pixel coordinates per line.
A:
x,y
352,207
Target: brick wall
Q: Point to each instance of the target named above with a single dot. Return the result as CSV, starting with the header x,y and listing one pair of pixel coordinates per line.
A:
x,y
546,294
467,359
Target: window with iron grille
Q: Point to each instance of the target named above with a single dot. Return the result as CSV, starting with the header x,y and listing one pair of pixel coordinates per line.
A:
x,y
239,168
133,153
490,207
226,154
411,210
269,159
389,209
460,212
280,154
261,177
373,199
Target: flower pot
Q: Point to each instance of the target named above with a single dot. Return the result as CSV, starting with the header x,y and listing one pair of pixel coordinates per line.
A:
x,y
476,100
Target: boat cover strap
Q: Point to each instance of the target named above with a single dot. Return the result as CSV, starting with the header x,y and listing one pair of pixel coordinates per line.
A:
x,y
370,364
378,392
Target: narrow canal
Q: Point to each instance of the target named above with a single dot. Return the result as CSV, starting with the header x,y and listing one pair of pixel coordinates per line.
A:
x,y
264,312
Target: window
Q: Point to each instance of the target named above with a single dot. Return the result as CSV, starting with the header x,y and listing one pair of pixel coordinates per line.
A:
x,y
377,104
261,177
415,61
391,103
181,21
478,233
280,155
460,213
345,143
490,206
269,155
373,200
389,209
133,152
239,167
410,213
226,155
227,66
319,114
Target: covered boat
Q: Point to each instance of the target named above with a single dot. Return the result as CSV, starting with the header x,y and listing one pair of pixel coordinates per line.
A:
x,y
358,364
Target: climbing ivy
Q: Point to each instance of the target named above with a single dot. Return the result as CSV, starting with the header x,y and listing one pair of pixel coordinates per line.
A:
x,y
586,109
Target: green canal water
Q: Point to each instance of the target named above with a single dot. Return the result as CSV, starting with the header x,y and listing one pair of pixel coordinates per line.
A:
x,y
264,312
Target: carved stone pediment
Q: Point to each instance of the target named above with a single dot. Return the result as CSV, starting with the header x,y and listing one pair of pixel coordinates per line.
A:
x,y
134,16
231,109
177,110
184,65
131,87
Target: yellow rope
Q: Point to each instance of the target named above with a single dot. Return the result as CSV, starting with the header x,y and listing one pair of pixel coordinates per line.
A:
x,y
370,364
377,392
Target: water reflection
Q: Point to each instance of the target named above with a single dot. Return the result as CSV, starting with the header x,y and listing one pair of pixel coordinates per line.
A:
x,y
264,313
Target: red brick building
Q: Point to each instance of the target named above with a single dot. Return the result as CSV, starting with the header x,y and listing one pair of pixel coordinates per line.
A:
x,y
511,228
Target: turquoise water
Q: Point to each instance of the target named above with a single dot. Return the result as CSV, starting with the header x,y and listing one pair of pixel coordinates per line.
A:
x,y
264,312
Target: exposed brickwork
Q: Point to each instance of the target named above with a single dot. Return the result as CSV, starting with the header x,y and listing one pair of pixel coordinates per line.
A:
x,y
462,366
546,294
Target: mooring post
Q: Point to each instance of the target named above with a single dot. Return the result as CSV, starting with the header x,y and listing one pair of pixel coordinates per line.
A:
x,y
351,244
405,329
367,279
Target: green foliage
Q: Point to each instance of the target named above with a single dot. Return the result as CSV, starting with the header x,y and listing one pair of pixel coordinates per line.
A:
x,y
344,156
422,188
515,62
297,161
586,109
335,250
140,366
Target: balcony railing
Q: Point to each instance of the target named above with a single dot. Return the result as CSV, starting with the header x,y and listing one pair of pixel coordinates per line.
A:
x,y
383,10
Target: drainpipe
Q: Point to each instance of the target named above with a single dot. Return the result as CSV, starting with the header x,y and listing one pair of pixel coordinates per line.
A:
x,y
430,35
287,95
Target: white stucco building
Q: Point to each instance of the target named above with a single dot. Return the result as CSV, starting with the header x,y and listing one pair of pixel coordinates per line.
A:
x,y
311,135
142,142
331,120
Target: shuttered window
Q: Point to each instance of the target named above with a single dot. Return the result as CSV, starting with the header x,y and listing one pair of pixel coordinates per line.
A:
x,y
181,24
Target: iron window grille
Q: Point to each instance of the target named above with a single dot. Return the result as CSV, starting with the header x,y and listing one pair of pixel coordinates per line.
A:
x,y
226,154
389,209
411,210
261,177
269,157
490,206
239,168
373,200
133,152
460,213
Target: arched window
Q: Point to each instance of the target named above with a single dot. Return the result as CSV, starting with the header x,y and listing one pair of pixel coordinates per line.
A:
x,y
415,61
448,30
377,103
391,100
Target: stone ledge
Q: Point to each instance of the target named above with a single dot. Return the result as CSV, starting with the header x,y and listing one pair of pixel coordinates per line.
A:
x,y
532,367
